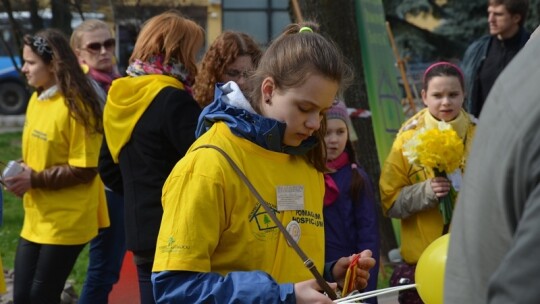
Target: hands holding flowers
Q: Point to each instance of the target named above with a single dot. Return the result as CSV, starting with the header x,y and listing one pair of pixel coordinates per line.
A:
x,y
441,150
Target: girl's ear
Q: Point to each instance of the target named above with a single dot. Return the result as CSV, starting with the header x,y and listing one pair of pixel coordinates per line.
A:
x,y
267,88
424,96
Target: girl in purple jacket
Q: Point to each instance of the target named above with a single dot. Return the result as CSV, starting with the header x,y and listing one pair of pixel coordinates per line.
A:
x,y
350,216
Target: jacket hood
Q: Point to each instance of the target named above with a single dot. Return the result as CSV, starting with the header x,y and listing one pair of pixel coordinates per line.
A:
x,y
128,99
230,106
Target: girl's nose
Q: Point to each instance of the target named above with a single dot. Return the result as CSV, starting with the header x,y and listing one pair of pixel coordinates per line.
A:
x,y
314,122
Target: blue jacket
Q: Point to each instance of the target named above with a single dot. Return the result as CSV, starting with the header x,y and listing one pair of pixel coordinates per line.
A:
x,y
473,59
231,107
352,226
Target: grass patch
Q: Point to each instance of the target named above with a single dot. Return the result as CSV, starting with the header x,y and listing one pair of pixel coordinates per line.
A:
x,y
385,272
14,214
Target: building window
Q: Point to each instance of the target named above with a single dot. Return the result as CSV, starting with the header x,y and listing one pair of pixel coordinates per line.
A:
x,y
262,19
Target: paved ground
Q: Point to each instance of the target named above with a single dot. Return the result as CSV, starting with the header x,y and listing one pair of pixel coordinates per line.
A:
x,y
9,123
388,299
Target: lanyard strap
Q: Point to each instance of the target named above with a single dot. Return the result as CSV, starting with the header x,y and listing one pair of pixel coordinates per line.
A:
x,y
307,261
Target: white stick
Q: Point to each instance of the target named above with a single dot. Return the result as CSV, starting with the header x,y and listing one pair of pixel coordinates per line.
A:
x,y
370,294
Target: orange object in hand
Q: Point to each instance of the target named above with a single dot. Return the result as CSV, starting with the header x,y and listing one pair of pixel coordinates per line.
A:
x,y
350,277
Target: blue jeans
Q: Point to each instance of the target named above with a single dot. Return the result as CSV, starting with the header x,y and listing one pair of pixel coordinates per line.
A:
x,y
107,251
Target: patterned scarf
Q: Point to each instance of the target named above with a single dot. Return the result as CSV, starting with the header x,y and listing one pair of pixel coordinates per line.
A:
x,y
332,190
155,65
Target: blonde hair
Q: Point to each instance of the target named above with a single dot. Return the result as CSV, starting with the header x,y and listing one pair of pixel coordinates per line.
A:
x,y
171,35
85,27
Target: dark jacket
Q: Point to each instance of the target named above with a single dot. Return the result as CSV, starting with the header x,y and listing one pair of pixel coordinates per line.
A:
x,y
352,226
472,61
160,138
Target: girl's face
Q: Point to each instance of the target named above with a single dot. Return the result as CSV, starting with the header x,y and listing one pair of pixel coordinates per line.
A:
x,y
238,71
336,138
443,97
38,74
301,108
97,50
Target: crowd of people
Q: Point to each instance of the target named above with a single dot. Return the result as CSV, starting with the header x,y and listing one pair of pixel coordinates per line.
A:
x,y
235,179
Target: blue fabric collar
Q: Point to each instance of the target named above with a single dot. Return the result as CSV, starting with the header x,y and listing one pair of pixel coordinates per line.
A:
x,y
231,107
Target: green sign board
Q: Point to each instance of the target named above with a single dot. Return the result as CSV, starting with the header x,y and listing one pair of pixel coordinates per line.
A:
x,y
384,94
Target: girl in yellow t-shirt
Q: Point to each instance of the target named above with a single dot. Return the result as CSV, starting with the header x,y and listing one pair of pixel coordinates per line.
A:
x,y
217,243
63,198
411,193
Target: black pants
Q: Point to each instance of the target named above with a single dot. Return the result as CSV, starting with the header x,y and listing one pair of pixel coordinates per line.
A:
x,y
144,260
41,271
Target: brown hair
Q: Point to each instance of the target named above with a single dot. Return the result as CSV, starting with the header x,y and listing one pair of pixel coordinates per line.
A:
x,y
171,35
514,7
80,97
442,68
85,27
224,50
357,181
289,60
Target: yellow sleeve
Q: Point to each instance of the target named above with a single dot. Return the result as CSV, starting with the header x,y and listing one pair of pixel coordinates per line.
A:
x,y
394,175
83,146
193,216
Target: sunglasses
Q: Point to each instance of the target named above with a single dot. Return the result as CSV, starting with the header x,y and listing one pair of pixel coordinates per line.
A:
x,y
97,46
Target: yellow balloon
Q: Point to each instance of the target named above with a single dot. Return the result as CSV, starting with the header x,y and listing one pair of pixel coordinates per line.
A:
x,y
429,275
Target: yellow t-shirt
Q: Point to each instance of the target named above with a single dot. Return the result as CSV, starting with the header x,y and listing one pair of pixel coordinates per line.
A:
x,y
71,215
212,222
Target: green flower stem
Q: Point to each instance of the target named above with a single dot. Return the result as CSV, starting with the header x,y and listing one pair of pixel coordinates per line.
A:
x,y
446,205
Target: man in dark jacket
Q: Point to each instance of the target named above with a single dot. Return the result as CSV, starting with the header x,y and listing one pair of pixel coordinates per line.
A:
x,y
485,58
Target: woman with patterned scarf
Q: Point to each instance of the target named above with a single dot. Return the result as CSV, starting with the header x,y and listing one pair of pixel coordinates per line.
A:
x,y
149,119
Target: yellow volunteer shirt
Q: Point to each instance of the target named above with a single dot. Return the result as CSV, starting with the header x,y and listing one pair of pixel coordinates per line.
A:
x,y
212,222
70,215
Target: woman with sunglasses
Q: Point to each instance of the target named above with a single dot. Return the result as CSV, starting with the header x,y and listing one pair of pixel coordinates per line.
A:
x,y
149,120
231,57
63,198
94,44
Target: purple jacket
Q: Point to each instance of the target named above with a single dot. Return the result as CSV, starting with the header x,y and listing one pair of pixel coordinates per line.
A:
x,y
351,227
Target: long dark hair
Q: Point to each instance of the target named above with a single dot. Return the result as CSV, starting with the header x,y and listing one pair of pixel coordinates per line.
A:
x,y
80,97
357,180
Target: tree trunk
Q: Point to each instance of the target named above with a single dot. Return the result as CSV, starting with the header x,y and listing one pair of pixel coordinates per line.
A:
x,y
338,21
61,16
35,20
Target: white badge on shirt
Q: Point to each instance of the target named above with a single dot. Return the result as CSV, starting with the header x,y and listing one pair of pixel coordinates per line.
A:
x,y
290,197
455,179
294,230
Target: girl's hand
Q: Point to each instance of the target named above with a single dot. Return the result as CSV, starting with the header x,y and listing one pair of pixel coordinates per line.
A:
x,y
364,263
20,183
310,292
440,186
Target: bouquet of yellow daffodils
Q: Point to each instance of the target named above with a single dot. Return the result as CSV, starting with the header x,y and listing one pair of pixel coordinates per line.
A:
x,y
440,149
